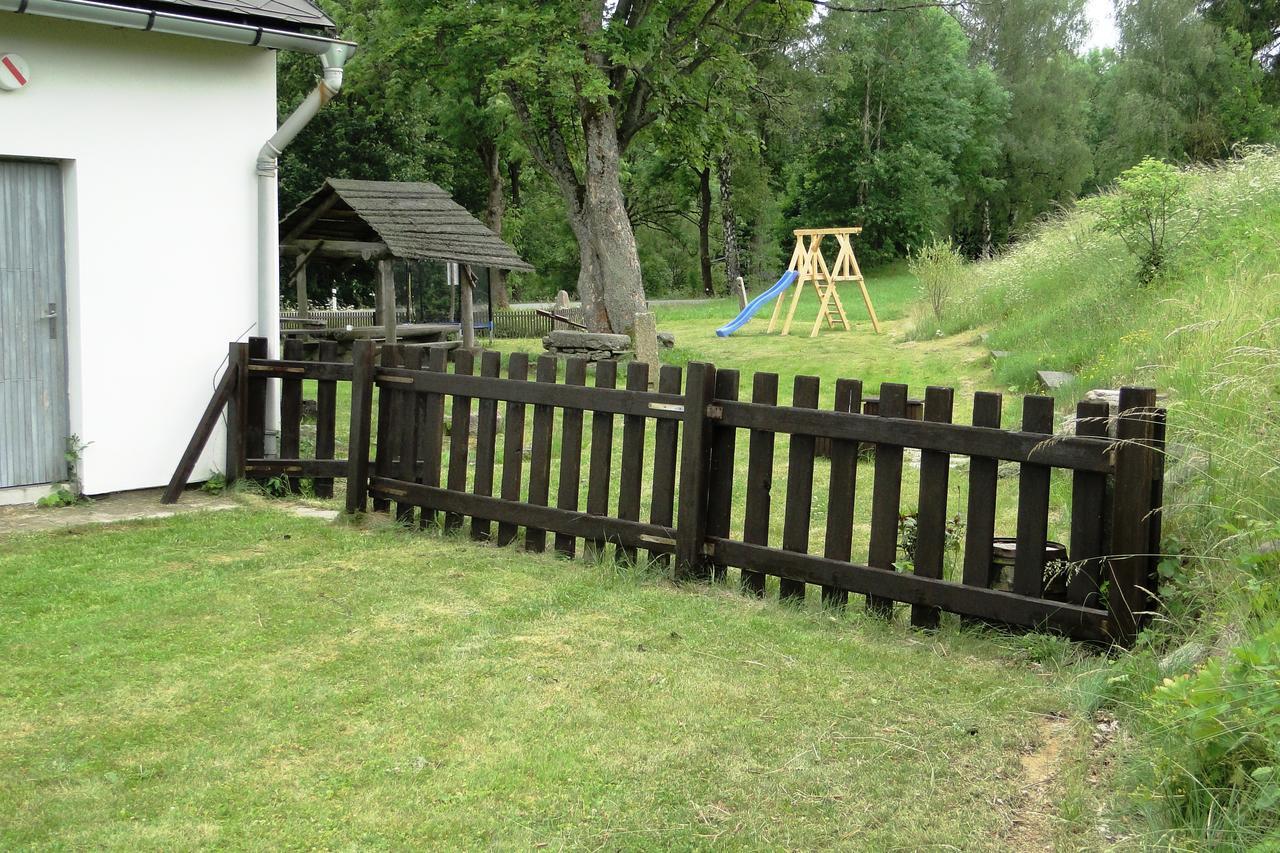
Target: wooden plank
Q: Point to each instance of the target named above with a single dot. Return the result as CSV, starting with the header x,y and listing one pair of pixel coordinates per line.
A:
x,y
1088,499
616,401
238,413
1076,452
222,395
431,434
838,541
405,416
886,497
799,507
297,467
362,362
516,513
326,418
980,515
931,514
255,443
291,411
665,451
995,605
512,446
630,480
384,452
724,446
1033,504
755,525
280,369
486,444
694,459
575,373
535,539
599,473
1127,567
459,436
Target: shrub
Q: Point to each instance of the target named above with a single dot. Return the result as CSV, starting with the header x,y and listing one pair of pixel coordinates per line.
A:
x,y
939,268
1145,211
1219,765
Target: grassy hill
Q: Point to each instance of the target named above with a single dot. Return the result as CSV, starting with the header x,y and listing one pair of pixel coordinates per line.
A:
x,y
1200,693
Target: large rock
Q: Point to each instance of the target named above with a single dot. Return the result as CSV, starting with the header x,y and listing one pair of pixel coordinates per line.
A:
x,y
562,302
645,333
570,339
666,340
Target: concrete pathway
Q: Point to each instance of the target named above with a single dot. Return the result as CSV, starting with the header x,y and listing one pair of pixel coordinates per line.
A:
x,y
121,506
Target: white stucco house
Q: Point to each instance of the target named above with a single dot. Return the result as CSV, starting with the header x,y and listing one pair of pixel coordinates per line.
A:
x,y
138,221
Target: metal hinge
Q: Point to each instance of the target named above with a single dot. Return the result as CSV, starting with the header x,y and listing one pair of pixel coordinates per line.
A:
x,y
715,412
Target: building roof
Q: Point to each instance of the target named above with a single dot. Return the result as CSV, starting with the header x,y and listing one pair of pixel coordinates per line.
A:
x,y
292,14
413,219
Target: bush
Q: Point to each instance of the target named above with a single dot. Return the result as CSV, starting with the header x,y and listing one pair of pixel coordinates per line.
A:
x,y
1218,767
1145,211
939,268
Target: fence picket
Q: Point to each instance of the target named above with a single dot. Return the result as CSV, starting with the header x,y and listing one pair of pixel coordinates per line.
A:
x,y
431,433
799,506
755,525
513,446
886,496
1088,499
980,516
459,436
1033,504
838,541
535,539
724,445
326,418
1127,567
486,444
931,513
256,424
404,406
632,463
291,412
665,450
695,455
570,484
598,477
362,370
237,412
389,356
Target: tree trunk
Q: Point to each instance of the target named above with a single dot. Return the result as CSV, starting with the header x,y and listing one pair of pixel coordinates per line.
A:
x,y
732,265
609,281
704,229
495,209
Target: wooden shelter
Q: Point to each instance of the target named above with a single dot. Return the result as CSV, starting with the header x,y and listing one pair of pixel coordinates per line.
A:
x,y
383,220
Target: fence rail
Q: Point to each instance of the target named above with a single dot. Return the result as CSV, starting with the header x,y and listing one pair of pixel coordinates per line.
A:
x,y
441,447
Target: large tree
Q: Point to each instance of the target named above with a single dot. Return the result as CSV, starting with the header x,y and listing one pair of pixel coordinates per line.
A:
x,y
584,79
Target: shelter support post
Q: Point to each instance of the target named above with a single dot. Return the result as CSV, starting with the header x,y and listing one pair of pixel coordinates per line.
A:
x,y
387,302
466,306
300,283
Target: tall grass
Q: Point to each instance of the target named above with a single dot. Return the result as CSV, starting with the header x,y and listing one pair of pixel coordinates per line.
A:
x,y
1207,335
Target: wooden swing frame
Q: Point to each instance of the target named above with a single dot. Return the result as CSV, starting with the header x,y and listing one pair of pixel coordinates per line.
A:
x,y
810,265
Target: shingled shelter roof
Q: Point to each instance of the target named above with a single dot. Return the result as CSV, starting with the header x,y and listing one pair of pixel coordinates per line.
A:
x,y
412,220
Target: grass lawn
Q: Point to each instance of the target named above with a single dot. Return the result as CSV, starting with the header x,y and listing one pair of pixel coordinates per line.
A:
x,y
249,678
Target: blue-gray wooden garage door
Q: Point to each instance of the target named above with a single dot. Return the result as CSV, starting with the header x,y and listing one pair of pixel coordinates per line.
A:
x,y
33,373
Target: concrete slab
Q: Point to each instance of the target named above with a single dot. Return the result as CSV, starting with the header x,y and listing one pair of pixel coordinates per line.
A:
x,y
106,509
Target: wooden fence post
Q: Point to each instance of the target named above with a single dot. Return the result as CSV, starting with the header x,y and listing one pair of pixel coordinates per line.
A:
x,y
237,411
255,441
695,460
1127,567
362,362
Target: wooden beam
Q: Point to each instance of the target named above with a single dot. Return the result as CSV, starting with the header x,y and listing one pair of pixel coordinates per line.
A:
x,y
387,287
311,218
466,307
824,232
300,285
338,249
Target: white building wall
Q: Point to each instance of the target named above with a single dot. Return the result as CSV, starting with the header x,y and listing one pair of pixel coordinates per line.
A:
x,y
158,136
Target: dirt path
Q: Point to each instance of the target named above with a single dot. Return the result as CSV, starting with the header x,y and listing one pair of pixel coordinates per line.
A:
x,y
121,506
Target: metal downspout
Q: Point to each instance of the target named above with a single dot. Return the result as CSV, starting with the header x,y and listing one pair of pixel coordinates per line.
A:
x,y
269,215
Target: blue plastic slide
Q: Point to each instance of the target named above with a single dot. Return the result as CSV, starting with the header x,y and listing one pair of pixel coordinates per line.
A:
x,y
788,279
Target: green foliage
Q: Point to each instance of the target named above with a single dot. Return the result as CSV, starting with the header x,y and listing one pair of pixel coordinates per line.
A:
x,y
215,485
905,123
59,498
1148,203
939,268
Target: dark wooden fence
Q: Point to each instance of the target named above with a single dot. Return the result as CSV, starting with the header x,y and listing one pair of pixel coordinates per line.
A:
x,y
699,420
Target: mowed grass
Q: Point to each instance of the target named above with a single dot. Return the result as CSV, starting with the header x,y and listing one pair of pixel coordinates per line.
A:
x,y
253,679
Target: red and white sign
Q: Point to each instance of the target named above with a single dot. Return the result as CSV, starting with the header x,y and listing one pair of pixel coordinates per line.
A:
x,y
14,72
